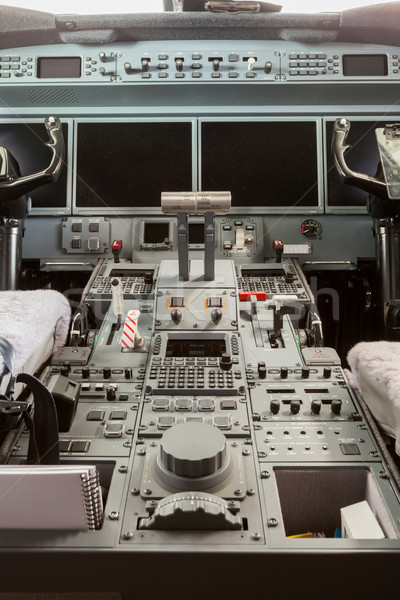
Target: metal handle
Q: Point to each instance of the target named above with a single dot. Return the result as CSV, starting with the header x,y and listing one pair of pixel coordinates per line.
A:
x,y
367,183
15,187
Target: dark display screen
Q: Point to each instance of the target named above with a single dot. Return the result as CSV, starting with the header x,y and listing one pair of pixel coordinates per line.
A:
x,y
26,142
196,233
155,233
368,65
263,272
64,67
199,347
128,165
362,156
130,272
263,164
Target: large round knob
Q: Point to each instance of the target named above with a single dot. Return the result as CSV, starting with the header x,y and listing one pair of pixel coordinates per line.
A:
x,y
216,315
193,449
176,316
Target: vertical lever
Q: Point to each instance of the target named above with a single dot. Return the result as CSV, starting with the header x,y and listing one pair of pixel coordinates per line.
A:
x,y
183,246
209,246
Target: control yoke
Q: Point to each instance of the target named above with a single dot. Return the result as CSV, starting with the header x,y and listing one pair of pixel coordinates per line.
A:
x,y
196,203
14,199
384,207
367,183
12,186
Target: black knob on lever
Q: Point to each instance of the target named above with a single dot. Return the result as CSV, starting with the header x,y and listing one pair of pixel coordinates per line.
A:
x,y
216,316
176,316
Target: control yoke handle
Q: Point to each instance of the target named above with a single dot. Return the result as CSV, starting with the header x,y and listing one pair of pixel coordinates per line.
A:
x,y
365,182
12,186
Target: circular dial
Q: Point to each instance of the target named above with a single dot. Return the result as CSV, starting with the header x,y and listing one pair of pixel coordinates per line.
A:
x,y
311,229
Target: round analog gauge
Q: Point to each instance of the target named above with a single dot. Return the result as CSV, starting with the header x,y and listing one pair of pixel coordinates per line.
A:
x,y
311,229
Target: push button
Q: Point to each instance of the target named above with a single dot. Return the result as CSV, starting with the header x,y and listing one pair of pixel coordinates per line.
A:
x,y
80,446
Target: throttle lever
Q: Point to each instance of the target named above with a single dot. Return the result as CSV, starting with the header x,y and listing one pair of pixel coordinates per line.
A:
x,y
368,183
13,186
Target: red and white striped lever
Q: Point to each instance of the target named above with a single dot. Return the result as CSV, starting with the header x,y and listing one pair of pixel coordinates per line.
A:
x,y
130,334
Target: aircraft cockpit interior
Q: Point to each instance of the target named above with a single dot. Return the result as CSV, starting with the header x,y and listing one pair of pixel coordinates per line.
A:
x,y
199,302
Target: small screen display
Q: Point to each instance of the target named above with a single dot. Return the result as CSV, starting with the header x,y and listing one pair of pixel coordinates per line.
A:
x,y
125,165
262,163
367,65
362,156
155,233
196,233
263,273
27,143
130,272
201,348
66,67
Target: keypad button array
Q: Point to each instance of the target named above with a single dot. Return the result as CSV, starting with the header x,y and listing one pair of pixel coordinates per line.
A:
x,y
192,377
270,285
130,285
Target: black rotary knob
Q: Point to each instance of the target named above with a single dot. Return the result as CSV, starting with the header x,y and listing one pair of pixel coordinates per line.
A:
x,y
327,372
85,372
295,407
262,370
226,362
336,407
128,373
284,372
274,406
289,278
107,373
305,372
148,278
65,369
316,407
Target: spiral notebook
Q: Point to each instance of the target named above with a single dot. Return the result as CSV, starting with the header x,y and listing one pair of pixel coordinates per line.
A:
x,y
54,497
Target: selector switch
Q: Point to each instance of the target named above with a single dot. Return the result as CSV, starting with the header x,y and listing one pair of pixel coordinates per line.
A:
x,y
111,393
128,373
85,372
274,407
327,372
262,370
65,369
305,372
284,372
316,407
336,407
295,407
107,373
179,64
